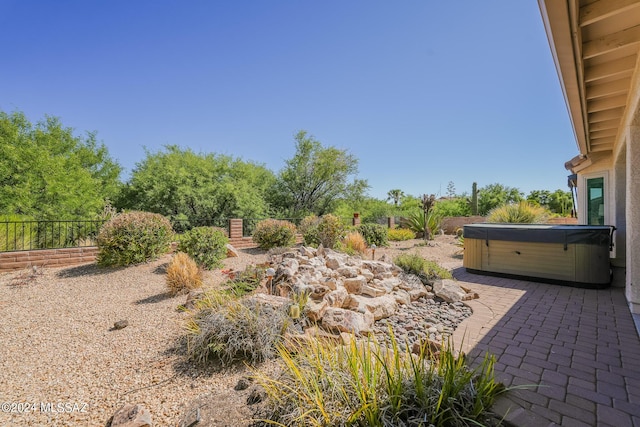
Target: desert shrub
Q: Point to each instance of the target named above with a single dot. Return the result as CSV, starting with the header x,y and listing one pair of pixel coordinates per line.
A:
x,y
246,282
206,245
330,230
326,230
457,206
183,274
425,269
399,234
353,243
132,238
309,229
366,384
272,233
518,213
374,234
228,329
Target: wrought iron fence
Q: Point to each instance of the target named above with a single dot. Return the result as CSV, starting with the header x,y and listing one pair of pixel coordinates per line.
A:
x,y
28,235
182,225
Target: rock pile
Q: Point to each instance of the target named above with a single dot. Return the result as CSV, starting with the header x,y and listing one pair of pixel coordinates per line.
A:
x,y
350,295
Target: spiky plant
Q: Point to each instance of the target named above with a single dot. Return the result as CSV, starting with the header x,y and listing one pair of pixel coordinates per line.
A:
x,y
183,274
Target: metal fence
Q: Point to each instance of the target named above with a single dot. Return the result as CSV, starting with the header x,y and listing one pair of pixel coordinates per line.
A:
x,y
28,235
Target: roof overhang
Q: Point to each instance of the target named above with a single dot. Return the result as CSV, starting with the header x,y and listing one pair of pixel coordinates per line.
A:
x,y
595,45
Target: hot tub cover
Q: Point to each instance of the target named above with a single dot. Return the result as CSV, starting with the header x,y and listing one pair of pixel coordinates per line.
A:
x,y
541,233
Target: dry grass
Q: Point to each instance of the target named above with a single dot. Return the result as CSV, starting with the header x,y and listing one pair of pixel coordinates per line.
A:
x,y
183,274
354,243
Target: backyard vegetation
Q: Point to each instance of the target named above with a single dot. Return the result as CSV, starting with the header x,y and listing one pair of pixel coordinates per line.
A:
x,y
362,383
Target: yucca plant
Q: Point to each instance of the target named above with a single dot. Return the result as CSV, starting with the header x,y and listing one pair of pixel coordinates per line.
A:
x,y
518,213
367,384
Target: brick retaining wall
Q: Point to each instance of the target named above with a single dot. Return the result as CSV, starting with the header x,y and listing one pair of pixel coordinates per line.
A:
x,y
47,257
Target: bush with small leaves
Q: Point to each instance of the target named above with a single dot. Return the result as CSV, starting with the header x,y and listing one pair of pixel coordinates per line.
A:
x,y
400,234
330,230
133,238
183,274
374,234
272,233
206,245
309,229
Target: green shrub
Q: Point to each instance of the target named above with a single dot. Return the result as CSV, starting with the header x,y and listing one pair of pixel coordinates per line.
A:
x,y
374,234
273,233
518,213
425,269
309,229
457,206
17,233
227,329
330,230
133,238
399,234
246,282
206,245
366,384
326,230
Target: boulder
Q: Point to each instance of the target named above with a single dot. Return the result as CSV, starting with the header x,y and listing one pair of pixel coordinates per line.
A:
x,y
232,252
448,290
380,307
354,285
131,416
348,272
315,310
371,290
342,320
402,297
337,298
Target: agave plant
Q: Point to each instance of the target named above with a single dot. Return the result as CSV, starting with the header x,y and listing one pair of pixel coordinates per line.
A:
x,y
426,225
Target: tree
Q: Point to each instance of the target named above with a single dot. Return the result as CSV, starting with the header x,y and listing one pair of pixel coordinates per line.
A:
x,y
396,195
561,202
48,173
540,197
494,195
451,190
315,179
181,184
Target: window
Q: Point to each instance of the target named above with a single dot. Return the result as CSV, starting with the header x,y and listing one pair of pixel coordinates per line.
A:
x,y
595,201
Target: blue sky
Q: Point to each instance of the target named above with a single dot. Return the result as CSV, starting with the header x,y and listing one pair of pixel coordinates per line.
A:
x,y
421,92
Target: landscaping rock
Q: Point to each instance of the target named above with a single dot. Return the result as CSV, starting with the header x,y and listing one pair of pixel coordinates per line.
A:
x,y
448,290
120,324
131,416
231,251
342,320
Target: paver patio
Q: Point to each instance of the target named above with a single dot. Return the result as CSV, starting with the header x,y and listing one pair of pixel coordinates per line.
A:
x,y
577,348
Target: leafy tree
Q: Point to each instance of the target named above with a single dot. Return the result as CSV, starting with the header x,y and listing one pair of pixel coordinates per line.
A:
x,y
396,195
561,202
48,173
315,179
181,184
494,195
540,197
457,206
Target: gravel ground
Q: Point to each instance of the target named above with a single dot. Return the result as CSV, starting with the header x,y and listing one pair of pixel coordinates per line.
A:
x,y
63,364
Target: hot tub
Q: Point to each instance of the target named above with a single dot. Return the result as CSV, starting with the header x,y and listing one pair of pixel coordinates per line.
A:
x,y
576,255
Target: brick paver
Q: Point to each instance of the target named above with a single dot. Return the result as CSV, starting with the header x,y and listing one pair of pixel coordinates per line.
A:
x,y
577,350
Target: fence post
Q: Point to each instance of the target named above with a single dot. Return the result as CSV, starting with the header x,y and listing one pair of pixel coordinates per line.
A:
x,y
356,219
235,228
391,222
